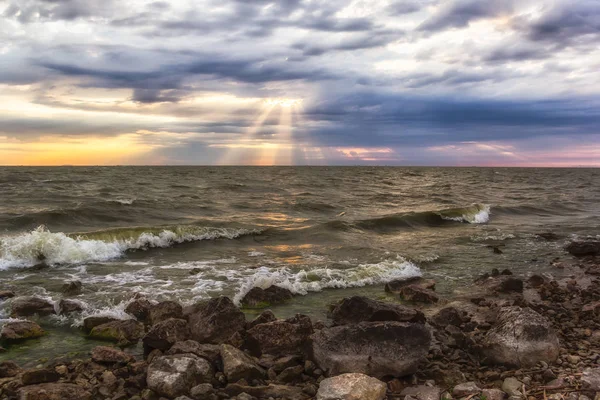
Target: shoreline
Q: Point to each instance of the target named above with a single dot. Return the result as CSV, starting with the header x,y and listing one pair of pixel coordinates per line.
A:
x,y
431,347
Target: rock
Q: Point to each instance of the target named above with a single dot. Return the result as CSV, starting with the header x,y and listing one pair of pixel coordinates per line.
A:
x,y
536,281
590,379
584,248
465,389
549,236
215,321
418,294
280,337
110,355
357,309
351,387
263,318
260,298
512,386
238,365
447,316
520,337
422,392
72,288
66,306
41,375
493,394
165,334
202,391
140,309
175,375
54,391
28,306
265,392
8,369
508,284
163,311
291,374
20,330
6,294
373,348
125,332
90,323
210,352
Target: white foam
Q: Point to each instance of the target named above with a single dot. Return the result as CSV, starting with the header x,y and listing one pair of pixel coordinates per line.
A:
x,y
255,254
479,215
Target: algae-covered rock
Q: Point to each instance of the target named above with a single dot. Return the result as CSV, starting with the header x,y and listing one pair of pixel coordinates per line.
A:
x,y
125,333
20,330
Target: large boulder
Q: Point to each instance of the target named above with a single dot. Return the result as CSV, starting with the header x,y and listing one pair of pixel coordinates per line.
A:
x,y
20,330
215,321
584,248
268,391
175,375
110,355
520,337
8,369
163,311
66,306
238,365
418,294
351,387
374,348
28,306
280,337
90,323
39,375
210,352
165,334
260,298
124,332
263,318
140,309
357,309
54,391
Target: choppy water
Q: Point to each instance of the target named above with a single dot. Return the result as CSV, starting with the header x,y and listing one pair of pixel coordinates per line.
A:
x,y
188,233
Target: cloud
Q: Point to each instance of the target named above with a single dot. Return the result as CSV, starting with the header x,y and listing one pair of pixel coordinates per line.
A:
x,y
459,13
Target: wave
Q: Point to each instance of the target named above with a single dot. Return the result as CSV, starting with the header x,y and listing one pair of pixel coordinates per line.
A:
x,y
315,280
55,248
474,214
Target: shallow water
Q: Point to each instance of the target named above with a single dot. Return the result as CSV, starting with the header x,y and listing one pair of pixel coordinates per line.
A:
x,y
189,233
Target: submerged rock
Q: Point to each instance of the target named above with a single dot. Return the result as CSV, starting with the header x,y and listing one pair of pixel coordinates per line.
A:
x,y
238,365
6,294
72,288
280,337
351,387
20,330
521,337
166,333
90,323
125,332
69,306
374,348
176,375
28,306
418,294
397,284
260,298
54,391
584,248
215,321
358,309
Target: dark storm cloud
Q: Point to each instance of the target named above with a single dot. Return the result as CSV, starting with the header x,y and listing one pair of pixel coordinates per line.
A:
x,y
27,11
459,13
360,42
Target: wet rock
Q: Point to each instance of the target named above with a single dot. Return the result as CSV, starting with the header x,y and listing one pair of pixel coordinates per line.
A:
x,y
175,375
291,374
373,348
521,337
90,323
263,318
351,387
110,355
509,284
590,379
238,365
210,352
54,391
549,236
493,394
215,321
28,306
69,306
6,294
280,337
418,294
8,369
536,281
465,389
397,284
584,248
421,392
20,330
125,332
41,375
140,309
260,298
447,316
268,391
358,309
165,334
72,288
163,311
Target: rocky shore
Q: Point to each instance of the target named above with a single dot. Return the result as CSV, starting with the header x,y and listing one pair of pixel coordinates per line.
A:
x,y
505,337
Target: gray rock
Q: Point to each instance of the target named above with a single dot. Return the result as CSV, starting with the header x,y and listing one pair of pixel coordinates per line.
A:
x,y
110,355
493,394
352,310
72,288
163,311
54,391
264,392
465,389
238,365
66,306
176,375
585,248
260,298
373,348
215,321
28,306
280,337
90,323
512,386
351,387
422,392
166,333
263,318
210,352
202,391
291,374
590,379
521,337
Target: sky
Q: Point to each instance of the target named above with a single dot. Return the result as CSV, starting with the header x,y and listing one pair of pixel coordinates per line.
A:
x,y
300,82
